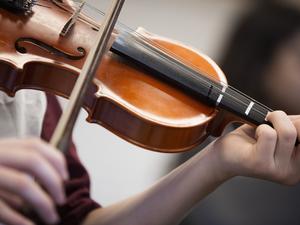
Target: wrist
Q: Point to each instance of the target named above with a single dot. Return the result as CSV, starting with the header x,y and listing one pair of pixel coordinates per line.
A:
x,y
219,166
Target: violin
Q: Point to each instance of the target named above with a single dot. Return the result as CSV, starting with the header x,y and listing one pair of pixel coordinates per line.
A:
x,y
149,90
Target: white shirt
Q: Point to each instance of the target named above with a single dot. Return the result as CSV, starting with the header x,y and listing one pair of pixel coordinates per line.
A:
x,y
22,115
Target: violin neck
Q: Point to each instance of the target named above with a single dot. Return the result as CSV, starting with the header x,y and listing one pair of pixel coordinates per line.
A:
x,y
172,70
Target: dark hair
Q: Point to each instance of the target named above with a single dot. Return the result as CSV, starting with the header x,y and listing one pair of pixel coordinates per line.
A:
x,y
256,38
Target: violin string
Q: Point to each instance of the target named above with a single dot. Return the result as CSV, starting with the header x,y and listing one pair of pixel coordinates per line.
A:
x,y
197,77
130,32
197,70
194,68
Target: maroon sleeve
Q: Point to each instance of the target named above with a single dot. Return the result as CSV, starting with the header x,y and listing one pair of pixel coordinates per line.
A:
x,y
79,202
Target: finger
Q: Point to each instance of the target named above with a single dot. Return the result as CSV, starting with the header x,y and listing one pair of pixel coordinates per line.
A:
x,y
34,164
296,122
24,186
10,217
55,158
12,200
248,130
297,152
287,135
294,117
265,146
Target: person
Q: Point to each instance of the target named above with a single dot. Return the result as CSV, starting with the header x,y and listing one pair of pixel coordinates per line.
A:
x,y
265,152
261,60
262,152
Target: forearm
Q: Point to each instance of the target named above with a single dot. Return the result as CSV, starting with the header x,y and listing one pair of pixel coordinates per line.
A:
x,y
169,199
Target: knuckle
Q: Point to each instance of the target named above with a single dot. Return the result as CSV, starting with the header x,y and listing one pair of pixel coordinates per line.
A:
x,y
273,114
61,159
34,143
270,134
44,203
34,160
23,183
279,113
25,187
56,183
289,135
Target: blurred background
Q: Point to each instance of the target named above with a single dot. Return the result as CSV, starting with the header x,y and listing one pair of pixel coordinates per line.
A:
x,y
119,169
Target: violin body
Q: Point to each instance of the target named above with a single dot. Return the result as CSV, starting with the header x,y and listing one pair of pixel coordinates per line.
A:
x,y
125,97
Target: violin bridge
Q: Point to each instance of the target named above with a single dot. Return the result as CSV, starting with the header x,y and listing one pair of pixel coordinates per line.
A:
x,y
68,26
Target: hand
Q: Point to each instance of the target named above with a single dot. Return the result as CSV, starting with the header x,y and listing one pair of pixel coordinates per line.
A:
x,y
21,160
264,152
